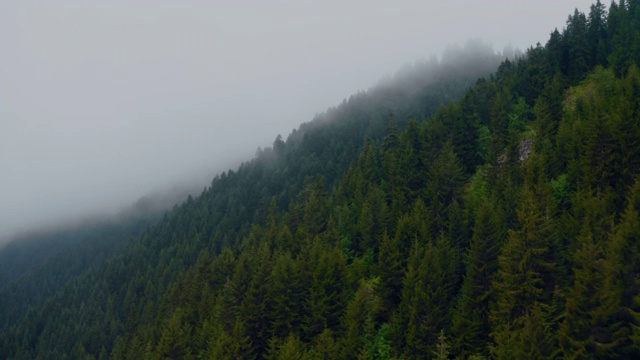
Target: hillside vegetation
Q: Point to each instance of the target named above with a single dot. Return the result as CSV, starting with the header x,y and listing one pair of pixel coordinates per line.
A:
x,y
452,218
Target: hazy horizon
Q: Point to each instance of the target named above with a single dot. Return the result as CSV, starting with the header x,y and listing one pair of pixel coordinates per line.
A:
x,y
102,103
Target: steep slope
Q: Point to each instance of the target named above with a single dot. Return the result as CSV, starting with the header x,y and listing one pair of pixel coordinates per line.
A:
x,y
95,308
505,225
36,266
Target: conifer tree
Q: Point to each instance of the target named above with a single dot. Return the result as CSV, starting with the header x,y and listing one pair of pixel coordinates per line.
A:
x,y
470,327
577,45
465,137
174,343
621,282
442,348
586,309
597,35
359,319
391,265
536,339
325,302
324,347
413,159
254,307
526,274
232,344
445,180
428,291
289,348
285,295
315,207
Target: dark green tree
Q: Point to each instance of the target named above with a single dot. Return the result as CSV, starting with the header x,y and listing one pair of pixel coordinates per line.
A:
x,y
525,278
470,326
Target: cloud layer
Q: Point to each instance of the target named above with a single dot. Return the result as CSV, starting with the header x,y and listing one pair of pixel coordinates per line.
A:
x,y
102,102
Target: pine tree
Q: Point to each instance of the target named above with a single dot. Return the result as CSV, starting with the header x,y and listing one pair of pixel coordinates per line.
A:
x,y
359,319
325,300
427,294
285,294
526,274
232,344
578,46
324,347
586,309
315,208
253,309
465,136
470,327
621,282
174,343
536,339
445,180
597,35
442,348
391,265
290,348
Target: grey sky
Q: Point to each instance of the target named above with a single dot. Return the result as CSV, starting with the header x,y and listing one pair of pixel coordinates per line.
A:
x,y
103,101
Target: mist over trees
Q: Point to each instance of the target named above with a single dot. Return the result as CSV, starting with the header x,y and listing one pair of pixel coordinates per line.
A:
x,y
475,214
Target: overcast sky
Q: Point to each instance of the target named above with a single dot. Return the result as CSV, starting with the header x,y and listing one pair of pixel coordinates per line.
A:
x,y
104,101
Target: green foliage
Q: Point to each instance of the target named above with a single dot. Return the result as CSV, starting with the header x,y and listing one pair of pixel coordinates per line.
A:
x,y
560,190
442,348
359,319
174,342
470,325
527,267
290,348
427,294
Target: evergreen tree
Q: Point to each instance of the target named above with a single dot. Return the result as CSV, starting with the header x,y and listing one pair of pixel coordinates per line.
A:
x,y
233,344
254,307
359,319
391,265
525,278
285,295
428,291
325,300
324,347
446,177
597,36
174,343
290,348
315,208
586,309
577,45
470,321
621,282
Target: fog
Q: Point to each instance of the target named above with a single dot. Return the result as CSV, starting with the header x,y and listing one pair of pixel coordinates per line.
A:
x,y
102,102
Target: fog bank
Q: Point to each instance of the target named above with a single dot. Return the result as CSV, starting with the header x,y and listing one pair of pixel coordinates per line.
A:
x,y
104,102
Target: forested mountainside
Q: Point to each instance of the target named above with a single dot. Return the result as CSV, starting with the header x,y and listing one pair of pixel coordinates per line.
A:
x,y
36,267
503,225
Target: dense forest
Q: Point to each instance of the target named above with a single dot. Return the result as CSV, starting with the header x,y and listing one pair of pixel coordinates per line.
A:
x,y
450,212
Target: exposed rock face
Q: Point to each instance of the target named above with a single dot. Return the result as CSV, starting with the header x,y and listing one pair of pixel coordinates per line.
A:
x,y
525,148
526,145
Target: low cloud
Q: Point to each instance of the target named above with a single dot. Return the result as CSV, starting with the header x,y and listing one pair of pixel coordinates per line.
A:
x,y
104,102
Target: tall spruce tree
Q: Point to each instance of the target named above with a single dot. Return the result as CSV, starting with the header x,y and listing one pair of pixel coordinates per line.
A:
x,y
622,287
525,278
470,326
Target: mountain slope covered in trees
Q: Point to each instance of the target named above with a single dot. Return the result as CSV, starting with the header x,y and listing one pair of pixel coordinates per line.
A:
x,y
505,224
36,267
